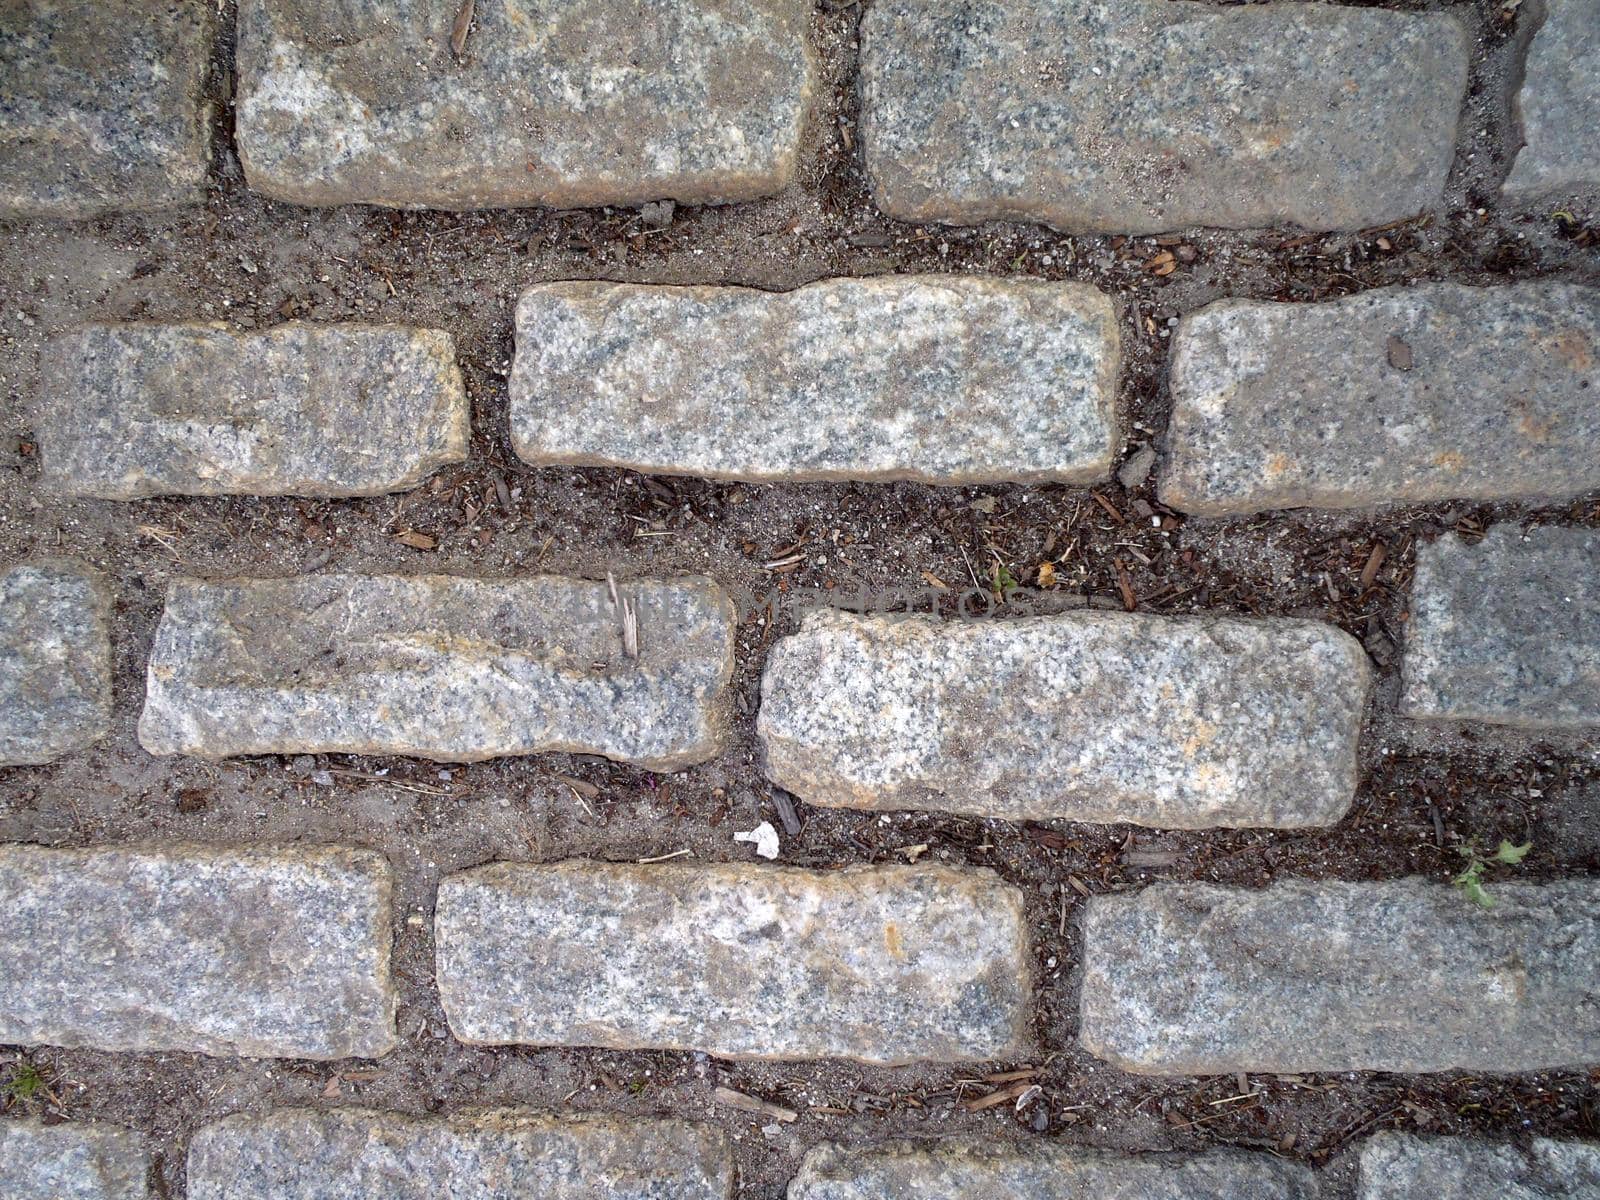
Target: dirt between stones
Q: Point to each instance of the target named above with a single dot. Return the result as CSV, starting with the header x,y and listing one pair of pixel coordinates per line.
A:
x,y
253,263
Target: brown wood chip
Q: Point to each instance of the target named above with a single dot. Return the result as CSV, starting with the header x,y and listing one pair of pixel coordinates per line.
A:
x,y
462,27
751,1104
1399,355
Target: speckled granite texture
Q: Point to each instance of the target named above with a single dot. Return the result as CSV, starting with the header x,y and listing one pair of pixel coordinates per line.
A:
x,y
1506,631
1409,975
1042,1171
128,411
75,1161
357,1154
943,379
103,105
439,667
55,660
264,952
889,964
1152,115
1558,107
1395,395
1174,722
1397,1166
566,103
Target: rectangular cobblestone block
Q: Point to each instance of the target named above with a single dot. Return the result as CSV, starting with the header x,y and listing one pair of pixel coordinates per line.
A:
x,y
71,1162
256,952
55,660
1041,1171
1397,1166
438,667
105,105
1146,116
358,1154
879,964
1506,631
943,379
1391,396
1558,107
566,103
127,411
1179,723
1410,975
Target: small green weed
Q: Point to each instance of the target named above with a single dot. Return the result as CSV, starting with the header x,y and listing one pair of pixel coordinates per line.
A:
x,y
25,1083
1470,881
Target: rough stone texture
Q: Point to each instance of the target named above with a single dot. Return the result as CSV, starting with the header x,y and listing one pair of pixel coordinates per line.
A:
x,y
1397,1166
128,411
882,964
1145,115
1409,975
1559,105
1506,631
439,667
1181,723
103,106
71,1162
563,103
944,379
261,951
55,660
356,1154
1042,1171
1394,395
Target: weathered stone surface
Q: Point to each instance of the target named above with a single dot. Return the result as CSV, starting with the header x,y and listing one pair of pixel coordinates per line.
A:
x,y
71,1162
104,105
1506,631
357,1154
127,411
1146,115
439,667
1397,1166
1181,723
255,951
1191,979
1042,1171
565,103
945,379
1400,394
55,660
1559,105
881,964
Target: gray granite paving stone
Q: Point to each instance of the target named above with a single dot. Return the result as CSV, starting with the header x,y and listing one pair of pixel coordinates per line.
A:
x,y
262,952
440,667
1395,395
943,379
1558,107
1042,1171
71,1162
890,964
1174,722
1507,631
1397,1166
134,410
1149,115
104,105
1408,975
55,660
563,103
494,1154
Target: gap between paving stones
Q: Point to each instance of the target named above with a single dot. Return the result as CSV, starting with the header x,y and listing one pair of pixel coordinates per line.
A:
x,y
462,274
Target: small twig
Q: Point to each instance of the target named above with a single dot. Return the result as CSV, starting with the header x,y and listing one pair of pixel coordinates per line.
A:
x,y
462,27
660,858
629,617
